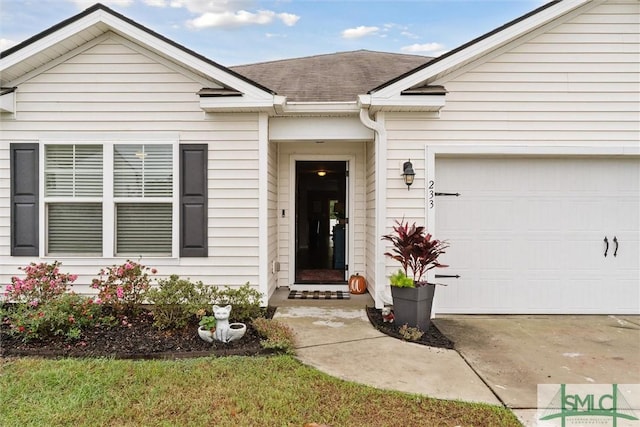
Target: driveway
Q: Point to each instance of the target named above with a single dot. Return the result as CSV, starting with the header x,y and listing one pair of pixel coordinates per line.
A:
x,y
513,354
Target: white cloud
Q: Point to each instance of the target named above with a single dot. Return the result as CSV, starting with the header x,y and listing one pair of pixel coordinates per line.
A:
x,y
6,44
212,6
156,3
361,31
435,49
288,19
409,35
230,19
84,4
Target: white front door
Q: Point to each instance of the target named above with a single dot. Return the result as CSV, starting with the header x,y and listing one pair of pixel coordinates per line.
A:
x,y
528,234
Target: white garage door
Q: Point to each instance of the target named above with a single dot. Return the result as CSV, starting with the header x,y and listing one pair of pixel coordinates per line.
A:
x,y
528,234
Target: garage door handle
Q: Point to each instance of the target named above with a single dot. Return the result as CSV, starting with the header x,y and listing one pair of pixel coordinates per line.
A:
x,y
615,240
606,246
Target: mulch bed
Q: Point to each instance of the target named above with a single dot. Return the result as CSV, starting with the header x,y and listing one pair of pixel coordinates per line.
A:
x,y
140,340
432,337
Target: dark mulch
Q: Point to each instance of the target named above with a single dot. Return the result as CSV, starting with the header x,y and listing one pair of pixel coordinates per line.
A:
x,y
136,339
432,337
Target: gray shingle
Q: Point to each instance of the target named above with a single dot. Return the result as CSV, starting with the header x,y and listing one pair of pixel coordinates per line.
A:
x,y
333,77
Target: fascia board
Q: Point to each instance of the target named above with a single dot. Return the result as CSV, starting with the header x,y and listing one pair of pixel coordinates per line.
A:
x,y
409,102
320,108
235,104
49,40
483,46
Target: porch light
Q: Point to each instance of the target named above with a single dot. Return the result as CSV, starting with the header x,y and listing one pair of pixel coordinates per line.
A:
x,y
408,174
322,173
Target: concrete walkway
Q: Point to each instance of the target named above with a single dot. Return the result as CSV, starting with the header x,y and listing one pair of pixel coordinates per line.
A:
x,y
338,339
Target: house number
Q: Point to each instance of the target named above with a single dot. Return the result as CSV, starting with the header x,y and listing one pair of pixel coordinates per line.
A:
x,y
431,194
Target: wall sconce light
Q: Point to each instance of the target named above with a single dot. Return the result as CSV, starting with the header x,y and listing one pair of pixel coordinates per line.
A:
x,y
408,173
322,173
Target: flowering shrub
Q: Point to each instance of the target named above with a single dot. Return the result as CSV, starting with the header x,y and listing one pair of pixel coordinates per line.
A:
x,y
43,282
123,286
67,315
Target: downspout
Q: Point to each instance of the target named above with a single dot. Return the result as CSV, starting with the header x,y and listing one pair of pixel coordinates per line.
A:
x,y
380,297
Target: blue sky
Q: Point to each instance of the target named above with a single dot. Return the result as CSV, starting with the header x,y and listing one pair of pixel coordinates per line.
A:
x,y
234,32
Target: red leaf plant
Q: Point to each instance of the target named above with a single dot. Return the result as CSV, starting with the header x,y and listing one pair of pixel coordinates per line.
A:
x,y
415,250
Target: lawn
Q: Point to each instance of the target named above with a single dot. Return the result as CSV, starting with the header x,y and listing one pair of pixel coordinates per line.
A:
x,y
230,391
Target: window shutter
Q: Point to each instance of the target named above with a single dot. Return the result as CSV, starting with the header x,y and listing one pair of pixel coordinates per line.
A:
x,y
24,199
193,200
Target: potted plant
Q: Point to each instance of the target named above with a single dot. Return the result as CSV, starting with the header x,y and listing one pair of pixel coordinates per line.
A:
x,y
207,328
417,252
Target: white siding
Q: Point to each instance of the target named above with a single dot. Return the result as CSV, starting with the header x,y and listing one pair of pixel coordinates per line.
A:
x,y
116,87
371,240
273,215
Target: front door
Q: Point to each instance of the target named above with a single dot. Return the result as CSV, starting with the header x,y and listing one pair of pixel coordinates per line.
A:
x,y
321,222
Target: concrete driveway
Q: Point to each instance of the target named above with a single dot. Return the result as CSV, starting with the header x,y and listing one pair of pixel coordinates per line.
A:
x,y
513,354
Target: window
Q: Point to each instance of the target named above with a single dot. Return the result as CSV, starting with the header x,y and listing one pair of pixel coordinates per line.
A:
x,y
116,199
73,197
143,190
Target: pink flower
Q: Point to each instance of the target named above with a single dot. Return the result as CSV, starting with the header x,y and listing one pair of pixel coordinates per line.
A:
x,y
33,303
120,292
154,271
120,271
128,266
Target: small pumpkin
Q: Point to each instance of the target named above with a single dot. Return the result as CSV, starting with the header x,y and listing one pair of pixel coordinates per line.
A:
x,y
357,284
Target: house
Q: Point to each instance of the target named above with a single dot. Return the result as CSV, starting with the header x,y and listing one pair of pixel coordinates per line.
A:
x,y
118,143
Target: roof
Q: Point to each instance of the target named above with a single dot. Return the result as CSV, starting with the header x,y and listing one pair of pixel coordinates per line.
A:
x,y
336,77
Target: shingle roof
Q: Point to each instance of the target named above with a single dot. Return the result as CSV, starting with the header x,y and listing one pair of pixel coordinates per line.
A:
x,y
333,77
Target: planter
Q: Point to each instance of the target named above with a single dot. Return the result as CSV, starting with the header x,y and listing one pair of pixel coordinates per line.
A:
x,y
412,306
236,331
205,334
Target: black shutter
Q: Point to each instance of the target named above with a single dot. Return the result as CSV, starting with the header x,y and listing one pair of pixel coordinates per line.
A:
x,y
193,200
24,199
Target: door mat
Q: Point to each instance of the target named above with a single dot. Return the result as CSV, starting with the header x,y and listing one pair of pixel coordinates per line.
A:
x,y
319,295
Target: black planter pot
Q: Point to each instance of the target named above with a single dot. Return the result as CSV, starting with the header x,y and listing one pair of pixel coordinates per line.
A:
x,y
413,306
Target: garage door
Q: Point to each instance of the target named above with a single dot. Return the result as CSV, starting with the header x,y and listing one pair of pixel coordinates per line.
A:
x,y
539,235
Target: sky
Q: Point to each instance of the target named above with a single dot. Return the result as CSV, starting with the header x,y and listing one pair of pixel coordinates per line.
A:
x,y
236,32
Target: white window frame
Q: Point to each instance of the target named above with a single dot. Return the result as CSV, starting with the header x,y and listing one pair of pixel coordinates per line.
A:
x,y
107,199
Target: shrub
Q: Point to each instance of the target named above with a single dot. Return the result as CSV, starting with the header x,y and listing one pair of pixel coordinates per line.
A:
x,y
176,301
123,286
66,314
42,283
277,335
245,301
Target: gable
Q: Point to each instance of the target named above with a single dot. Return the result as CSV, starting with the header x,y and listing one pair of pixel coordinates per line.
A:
x,y
111,76
67,39
483,49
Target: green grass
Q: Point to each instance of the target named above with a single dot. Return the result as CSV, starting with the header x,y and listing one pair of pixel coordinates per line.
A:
x,y
234,391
